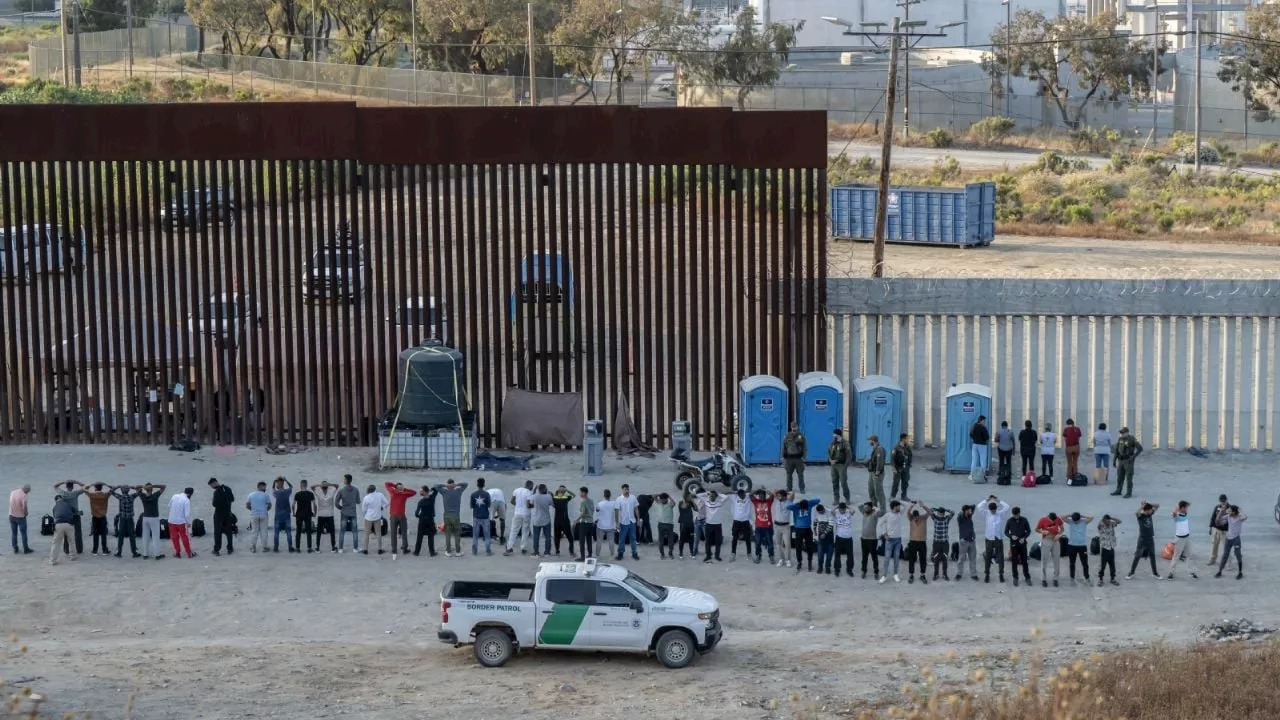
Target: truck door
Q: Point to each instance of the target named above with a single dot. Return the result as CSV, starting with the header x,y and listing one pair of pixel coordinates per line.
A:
x,y
563,611
615,622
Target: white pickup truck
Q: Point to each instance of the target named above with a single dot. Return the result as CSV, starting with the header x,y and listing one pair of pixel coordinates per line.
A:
x,y
579,606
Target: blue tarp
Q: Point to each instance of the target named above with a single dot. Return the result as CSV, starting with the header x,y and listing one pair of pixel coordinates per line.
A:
x,y
502,463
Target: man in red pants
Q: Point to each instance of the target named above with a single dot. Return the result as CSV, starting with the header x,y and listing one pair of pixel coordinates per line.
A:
x,y
179,520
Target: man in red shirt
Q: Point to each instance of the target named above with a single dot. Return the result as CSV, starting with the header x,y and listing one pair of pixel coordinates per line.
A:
x,y
1050,529
1071,438
763,522
399,496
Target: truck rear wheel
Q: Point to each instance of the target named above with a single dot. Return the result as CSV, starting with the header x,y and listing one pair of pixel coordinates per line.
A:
x,y
675,649
493,647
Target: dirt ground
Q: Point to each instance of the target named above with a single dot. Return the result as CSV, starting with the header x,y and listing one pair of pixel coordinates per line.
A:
x,y
342,636
1064,258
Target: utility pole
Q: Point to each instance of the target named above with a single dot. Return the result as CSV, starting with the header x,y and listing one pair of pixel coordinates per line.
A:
x,y
533,87
128,19
315,50
1008,63
906,76
886,150
1198,55
75,25
1155,73
413,26
66,60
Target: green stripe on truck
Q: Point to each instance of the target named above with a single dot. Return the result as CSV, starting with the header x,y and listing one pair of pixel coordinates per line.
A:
x,y
562,627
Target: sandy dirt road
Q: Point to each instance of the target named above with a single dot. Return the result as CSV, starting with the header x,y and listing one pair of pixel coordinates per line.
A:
x,y
344,636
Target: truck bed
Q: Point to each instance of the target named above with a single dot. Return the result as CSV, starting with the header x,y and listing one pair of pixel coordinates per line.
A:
x,y
476,590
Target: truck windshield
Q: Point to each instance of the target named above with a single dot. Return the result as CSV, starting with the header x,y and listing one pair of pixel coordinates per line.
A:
x,y
652,592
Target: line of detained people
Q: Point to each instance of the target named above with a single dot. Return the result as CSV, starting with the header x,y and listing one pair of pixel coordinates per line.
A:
x,y
775,522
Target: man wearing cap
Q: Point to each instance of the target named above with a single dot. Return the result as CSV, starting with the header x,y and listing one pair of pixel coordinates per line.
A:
x,y
838,455
793,452
1127,449
875,471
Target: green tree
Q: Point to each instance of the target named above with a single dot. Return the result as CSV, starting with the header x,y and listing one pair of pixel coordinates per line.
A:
x,y
752,58
596,37
479,36
99,15
1062,52
242,26
1251,65
369,32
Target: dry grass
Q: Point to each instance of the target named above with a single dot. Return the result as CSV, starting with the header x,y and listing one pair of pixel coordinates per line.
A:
x,y
1229,680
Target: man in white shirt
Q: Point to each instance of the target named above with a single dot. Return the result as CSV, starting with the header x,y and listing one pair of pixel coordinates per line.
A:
x,y
994,511
843,521
373,508
607,524
179,519
890,529
497,515
743,511
627,505
709,505
521,520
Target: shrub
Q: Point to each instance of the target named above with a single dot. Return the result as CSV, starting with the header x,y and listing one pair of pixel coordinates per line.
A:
x,y
945,169
1119,163
1165,222
991,130
1052,161
938,138
1074,214
1093,140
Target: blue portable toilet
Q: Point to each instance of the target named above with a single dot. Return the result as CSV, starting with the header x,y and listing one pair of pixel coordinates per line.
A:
x,y
966,402
877,410
819,411
763,410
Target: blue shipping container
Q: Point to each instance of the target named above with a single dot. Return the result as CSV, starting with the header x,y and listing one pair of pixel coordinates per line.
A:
x,y
964,217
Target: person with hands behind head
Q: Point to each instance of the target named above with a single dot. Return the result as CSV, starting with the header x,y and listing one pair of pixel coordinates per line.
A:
x,y
150,497
1146,538
1077,526
1107,548
398,495
1050,529
66,490
941,540
917,531
425,514
99,495
1235,521
125,496
994,512
283,495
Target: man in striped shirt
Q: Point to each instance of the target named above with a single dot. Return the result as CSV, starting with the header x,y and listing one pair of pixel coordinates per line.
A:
x,y
941,540
125,495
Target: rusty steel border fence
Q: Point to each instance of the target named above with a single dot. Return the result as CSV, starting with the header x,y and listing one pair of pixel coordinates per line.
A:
x,y
695,241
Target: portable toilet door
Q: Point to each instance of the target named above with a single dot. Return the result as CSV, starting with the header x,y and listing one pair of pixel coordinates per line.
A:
x,y
762,419
965,404
819,411
877,410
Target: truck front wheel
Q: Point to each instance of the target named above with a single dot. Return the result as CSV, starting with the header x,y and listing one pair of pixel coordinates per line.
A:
x,y
493,647
675,649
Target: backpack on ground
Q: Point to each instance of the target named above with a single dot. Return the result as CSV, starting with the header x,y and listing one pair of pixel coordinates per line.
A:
x,y
115,525
46,525
1078,480
464,530
1005,475
197,528
1100,476
382,530
1034,552
955,551
1044,479
164,529
978,476
137,528
1095,546
234,525
1029,480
